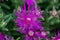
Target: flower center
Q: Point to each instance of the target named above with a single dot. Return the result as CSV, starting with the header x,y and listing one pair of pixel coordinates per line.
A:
x,y
29,19
31,33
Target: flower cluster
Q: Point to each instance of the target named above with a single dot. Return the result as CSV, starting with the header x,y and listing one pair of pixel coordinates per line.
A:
x,y
30,23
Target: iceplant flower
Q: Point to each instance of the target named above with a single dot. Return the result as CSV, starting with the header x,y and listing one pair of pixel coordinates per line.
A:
x,y
26,18
2,36
5,37
29,23
56,37
43,34
32,34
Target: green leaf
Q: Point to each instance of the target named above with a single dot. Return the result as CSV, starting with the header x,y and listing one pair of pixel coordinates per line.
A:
x,y
5,20
5,6
18,38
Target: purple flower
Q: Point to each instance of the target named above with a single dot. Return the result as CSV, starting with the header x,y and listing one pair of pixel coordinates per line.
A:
x,y
56,37
32,34
30,23
26,18
5,37
43,34
2,36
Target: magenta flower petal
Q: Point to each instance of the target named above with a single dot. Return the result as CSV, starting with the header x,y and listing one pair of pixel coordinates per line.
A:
x,y
30,2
